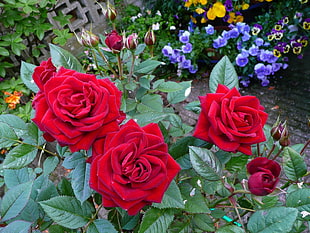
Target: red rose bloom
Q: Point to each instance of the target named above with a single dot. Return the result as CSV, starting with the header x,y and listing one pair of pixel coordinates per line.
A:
x,y
264,176
114,41
135,168
76,108
43,73
231,121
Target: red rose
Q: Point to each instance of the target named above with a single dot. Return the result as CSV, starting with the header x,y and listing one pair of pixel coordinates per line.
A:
x,y
114,41
135,168
43,73
264,175
231,121
76,108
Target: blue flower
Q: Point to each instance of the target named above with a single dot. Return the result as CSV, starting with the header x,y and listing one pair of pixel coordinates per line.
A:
x,y
234,33
254,50
209,29
167,50
184,37
219,42
241,60
186,64
193,69
246,36
187,48
259,41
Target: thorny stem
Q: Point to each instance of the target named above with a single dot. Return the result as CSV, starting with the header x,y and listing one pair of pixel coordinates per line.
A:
x,y
305,146
93,218
120,66
238,207
132,65
96,62
258,150
272,149
39,147
279,152
107,62
234,203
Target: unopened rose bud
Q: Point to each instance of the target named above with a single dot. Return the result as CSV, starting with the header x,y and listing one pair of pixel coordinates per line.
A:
x,y
88,39
132,41
284,139
111,12
149,38
115,42
277,129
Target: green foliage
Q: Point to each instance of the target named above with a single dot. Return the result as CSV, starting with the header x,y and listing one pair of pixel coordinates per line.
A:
x,y
25,24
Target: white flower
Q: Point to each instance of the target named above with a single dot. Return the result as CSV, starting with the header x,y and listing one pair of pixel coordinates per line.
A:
x,y
155,26
158,13
172,27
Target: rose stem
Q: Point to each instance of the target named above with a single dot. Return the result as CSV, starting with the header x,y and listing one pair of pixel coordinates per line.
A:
x,y
305,146
96,61
272,149
132,65
279,152
120,66
107,62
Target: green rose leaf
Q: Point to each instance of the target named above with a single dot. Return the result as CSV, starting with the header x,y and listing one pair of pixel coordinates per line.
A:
x,y
172,198
300,199
61,57
80,181
169,86
149,103
205,163
180,95
20,156
18,226
13,177
203,222
49,165
147,67
7,135
223,73
277,219
101,226
15,200
17,124
156,220
149,117
230,229
293,164
26,71
196,203
67,211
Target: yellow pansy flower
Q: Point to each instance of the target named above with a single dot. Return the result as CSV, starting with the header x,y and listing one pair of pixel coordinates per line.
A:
x,y
211,14
199,10
203,2
219,9
245,6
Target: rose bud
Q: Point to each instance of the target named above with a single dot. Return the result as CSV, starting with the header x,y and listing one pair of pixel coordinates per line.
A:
x,y
262,183
264,176
111,12
88,39
115,42
149,38
284,139
132,41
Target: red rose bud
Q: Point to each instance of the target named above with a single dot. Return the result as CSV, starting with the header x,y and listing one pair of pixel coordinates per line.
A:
x,y
284,139
111,12
88,39
231,121
115,42
132,41
264,175
149,38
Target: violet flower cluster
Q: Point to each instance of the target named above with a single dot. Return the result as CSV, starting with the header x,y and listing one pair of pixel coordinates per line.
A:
x,y
250,47
178,55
